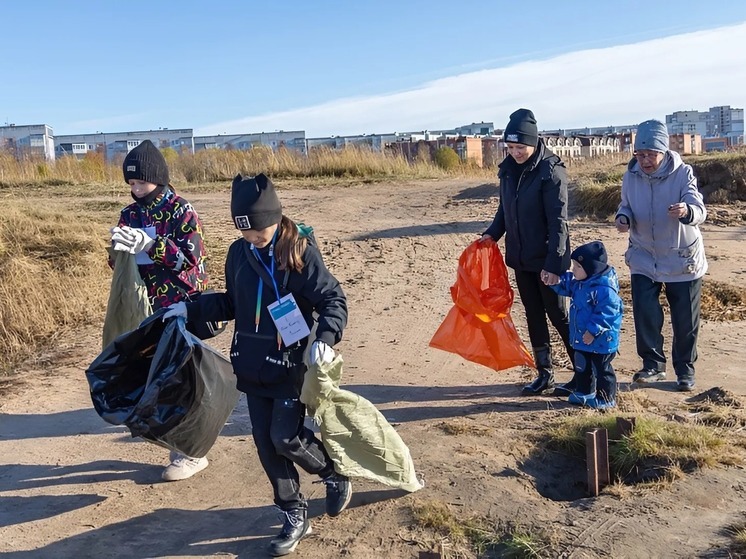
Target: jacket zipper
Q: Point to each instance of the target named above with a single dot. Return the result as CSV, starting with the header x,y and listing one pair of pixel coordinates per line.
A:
x,y
517,225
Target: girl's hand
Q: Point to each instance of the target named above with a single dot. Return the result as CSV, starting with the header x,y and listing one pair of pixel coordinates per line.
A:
x,y
588,338
176,310
321,353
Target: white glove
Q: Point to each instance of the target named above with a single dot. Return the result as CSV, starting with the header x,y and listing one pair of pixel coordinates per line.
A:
x,y
175,310
321,353
130,239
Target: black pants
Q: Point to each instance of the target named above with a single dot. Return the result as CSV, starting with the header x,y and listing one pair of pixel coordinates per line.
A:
x,y
595,369
684,300
541,301
282,441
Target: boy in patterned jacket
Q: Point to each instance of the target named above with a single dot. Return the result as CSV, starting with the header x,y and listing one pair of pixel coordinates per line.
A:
x,y
164,233
595,323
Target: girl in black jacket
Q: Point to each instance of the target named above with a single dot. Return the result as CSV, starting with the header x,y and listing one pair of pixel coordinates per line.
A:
x,y
276,269
533,217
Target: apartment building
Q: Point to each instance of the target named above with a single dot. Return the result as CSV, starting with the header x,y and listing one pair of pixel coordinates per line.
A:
x,y
115,145
685,144
688,122
722,121
726,121
294,140
34,140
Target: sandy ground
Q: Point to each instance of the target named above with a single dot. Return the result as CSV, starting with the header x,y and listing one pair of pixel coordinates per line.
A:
x,y
73,486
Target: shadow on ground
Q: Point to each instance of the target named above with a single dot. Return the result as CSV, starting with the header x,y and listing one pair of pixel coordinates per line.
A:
x,y
473,399
244,532
449,228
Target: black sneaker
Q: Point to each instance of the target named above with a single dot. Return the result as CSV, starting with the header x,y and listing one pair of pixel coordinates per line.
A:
x,y
685,384
295,527
338,493
648,375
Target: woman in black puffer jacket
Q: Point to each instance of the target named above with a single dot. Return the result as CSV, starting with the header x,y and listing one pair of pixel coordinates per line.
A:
x,y
533,217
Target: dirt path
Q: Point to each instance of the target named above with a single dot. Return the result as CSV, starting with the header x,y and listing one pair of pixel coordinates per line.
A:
x,y
74,486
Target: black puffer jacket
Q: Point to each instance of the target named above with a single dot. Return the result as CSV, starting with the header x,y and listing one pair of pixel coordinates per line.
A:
x,y
533,213
260,367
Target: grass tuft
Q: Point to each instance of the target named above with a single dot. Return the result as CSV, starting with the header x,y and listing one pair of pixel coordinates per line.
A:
x,y
655,450
479,534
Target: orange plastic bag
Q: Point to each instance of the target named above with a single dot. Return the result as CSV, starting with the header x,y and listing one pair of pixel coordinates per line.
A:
x,y
479,327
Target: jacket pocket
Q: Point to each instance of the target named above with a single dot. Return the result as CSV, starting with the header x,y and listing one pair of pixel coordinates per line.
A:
x,y
628,254
689,257
281,367
248,353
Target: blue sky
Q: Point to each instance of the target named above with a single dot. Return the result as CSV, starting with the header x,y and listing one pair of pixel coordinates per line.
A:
x,y
363,67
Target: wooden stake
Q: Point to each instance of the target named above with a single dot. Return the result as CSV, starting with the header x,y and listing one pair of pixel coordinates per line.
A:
x,y
625,426
597,460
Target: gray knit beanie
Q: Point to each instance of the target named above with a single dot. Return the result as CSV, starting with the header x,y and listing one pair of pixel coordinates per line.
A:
x,y
653,135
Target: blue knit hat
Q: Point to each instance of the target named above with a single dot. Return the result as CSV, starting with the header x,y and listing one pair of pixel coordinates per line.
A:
x,y
653,135
592,257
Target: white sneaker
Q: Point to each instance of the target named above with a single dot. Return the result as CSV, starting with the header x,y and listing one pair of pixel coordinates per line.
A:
x,y
183,467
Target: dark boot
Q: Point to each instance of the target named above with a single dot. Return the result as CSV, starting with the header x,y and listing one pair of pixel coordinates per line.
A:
x,y
338,493
544,383
295,526
567,388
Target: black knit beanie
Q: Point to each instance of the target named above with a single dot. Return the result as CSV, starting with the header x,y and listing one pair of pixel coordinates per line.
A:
x,y
254,203
592,257
522,128
145,163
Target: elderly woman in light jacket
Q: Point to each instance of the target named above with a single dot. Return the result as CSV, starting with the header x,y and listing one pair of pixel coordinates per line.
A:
x,y
661,209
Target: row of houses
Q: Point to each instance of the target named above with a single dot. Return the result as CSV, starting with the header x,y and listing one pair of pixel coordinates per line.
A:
x,y
478,142
488,151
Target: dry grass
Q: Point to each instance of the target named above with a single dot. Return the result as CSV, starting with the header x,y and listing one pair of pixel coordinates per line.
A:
x,y
53,274
719,408
475,536
462,427
736,532
222,165
655,451
721,301
596,184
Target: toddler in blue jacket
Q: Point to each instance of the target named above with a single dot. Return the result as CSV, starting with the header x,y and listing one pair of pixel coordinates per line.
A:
x,y
595,322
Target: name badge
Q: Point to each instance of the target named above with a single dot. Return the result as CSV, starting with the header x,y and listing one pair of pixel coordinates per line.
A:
x,y
288,319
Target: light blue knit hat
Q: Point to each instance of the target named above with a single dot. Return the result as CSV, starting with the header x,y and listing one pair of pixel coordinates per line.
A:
x,y
653,135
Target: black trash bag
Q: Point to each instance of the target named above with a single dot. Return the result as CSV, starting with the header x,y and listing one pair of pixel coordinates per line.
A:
x,y
165,385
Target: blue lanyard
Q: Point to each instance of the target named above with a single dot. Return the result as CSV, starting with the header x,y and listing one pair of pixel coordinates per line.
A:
x,y
259,290
270,269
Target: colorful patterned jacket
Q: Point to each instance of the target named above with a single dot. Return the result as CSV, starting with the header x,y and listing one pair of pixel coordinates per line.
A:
x,y
178,254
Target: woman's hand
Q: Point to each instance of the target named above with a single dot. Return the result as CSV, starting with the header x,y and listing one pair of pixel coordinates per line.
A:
x,y
677,211
622,223
485,237
549,278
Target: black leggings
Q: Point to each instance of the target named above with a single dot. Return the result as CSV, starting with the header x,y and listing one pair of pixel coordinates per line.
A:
x,y
282,441
541,301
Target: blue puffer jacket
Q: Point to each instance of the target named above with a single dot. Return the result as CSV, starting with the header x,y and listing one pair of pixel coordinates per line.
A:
x,y
595,306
